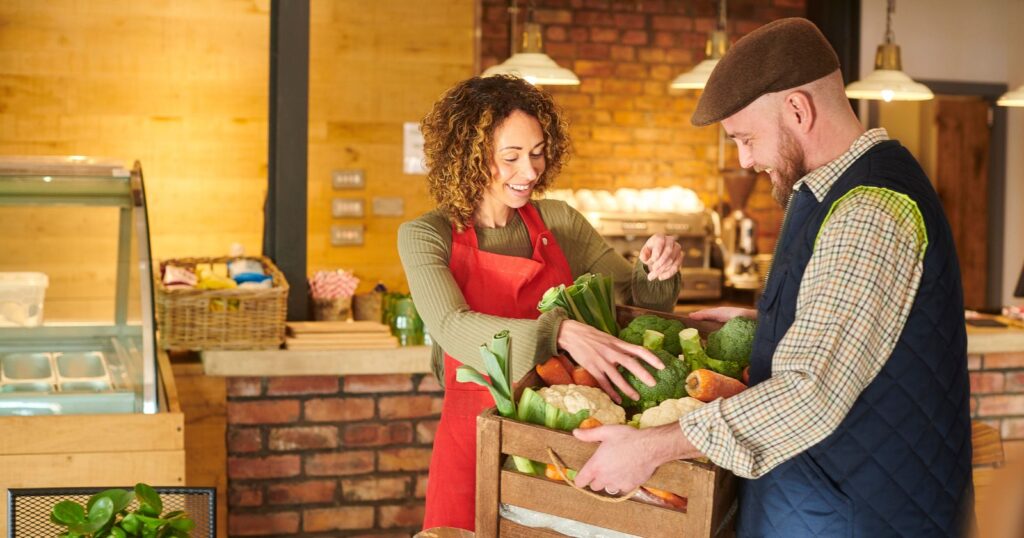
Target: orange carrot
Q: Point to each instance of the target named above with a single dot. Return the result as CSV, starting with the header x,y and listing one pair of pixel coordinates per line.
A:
x,y
746,376
551,473
553,373
671,498
565,362
590,422
706,385
581,376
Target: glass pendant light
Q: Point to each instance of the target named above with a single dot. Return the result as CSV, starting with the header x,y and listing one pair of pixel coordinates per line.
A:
x,y
717,44
888,82
1012,97
531,64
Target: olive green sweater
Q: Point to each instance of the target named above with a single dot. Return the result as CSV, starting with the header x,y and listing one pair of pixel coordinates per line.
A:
x,y
425,246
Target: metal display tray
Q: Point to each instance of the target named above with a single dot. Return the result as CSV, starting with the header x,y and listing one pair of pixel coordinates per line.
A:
x,y
60,383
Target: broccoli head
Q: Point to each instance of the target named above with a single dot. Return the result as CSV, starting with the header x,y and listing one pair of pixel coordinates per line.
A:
x,y
670,383
634,332
733,342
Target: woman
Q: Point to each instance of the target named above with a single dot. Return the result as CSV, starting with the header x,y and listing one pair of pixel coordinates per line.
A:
x,y
481,261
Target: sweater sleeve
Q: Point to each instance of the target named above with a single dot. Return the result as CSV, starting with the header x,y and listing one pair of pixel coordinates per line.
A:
x,y
588,252
424,246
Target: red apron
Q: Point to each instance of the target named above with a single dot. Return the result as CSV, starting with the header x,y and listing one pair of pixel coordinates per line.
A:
x,y
506,286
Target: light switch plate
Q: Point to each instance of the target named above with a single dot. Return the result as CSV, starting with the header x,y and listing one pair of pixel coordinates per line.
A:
x,y
343,236
347,207
388,206
348,179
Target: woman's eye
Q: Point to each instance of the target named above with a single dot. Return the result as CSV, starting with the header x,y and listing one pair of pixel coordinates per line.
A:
x,y
536,155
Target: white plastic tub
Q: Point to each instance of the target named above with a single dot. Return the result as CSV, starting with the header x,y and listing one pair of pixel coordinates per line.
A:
x,y
21,299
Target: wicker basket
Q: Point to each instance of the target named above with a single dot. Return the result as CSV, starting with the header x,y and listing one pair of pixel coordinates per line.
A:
x,y
236,318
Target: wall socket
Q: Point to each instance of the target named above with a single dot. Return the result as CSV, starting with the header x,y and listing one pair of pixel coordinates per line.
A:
x,y
388,206
348,179
346,235
347,207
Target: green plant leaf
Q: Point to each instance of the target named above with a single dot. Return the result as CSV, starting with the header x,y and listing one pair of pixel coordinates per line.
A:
x,y
494,369
174,514
149,501
183,524
131,524
98,517
67,513
120,497
117,533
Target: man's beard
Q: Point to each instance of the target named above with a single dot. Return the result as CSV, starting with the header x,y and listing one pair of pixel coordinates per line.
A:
x,y
790,168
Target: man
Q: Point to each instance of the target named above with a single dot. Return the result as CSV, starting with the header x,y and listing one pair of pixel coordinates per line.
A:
x,y
857,419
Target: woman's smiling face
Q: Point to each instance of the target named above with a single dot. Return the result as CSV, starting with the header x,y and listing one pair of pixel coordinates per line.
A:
x,y
517,162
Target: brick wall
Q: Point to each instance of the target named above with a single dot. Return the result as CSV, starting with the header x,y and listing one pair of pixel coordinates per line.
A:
x,y
997,397
628,130
329,456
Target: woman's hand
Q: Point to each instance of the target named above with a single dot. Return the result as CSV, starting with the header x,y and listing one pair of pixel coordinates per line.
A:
x,y
601,353
662,255
723,313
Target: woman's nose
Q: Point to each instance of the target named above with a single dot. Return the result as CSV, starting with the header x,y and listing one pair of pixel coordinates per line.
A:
x,y
530,170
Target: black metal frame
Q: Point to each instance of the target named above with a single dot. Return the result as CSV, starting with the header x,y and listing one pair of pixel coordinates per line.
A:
x,y
284,225
57,493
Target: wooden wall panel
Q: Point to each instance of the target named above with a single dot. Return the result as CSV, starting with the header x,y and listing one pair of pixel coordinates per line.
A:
x,y
368,75
181,86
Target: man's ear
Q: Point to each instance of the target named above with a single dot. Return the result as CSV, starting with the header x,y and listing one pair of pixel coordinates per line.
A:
x,y
799,112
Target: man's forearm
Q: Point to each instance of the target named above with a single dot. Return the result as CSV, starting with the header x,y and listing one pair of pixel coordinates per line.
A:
x,y
667,443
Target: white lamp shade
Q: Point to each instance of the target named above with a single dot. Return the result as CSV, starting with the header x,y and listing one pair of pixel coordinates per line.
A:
x,y
888,85
1012,97
536,68
696,78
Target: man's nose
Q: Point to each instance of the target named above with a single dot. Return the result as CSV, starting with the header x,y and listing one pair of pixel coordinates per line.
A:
x,y
746,160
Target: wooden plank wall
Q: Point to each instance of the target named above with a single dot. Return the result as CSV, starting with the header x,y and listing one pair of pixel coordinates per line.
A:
x,y
374,66
181,86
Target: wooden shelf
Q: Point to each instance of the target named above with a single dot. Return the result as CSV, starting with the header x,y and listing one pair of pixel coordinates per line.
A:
x,y
288,362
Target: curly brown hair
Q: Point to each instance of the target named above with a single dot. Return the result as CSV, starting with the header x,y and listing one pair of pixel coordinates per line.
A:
x,y
458,140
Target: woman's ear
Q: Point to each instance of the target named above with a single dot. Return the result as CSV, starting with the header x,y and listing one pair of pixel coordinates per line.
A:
x,y
798,110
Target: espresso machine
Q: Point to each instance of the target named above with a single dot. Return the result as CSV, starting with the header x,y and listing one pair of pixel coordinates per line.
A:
x,y
627,232
739,231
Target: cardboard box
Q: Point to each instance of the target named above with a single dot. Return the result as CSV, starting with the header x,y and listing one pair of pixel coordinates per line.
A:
x,y
710,490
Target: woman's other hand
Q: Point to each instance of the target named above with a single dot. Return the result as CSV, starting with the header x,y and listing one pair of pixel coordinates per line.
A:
x,y
601,353
662,255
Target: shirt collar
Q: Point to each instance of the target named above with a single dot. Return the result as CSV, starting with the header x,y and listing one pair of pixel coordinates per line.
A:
x,y
820,180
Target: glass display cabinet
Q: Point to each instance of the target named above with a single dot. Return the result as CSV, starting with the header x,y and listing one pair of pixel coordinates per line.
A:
x,y
76,302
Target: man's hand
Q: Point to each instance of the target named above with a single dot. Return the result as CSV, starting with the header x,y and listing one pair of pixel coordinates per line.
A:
x,y
723,313
615,467
662,255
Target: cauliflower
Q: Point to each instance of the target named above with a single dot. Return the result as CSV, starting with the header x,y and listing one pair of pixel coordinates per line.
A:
x,y
574,398
668,412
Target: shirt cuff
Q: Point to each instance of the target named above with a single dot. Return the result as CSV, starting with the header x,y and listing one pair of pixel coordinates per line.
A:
x,y
548,325
709,433
657,294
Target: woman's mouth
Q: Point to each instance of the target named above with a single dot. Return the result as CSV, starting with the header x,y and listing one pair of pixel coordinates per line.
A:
x,y
520,190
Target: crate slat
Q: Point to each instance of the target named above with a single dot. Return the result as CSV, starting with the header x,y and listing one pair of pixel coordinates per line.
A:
x,y
543,495
488,473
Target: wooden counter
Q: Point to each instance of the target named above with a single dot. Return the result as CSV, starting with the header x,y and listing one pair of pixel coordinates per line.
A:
x,y
284,362
982,340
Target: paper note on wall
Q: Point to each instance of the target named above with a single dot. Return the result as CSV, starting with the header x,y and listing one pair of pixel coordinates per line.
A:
x,y
412,149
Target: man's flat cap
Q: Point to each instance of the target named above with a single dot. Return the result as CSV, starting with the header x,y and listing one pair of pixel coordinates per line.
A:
x,y
780,55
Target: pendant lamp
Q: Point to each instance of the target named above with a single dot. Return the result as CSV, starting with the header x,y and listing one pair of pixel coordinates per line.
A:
x,y
1012,97
531,64
888,82
714,49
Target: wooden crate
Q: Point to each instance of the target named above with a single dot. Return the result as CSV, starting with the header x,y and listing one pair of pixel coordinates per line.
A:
x,y
710,490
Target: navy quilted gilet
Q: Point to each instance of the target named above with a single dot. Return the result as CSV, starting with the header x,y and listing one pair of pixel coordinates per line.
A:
x,y
899,464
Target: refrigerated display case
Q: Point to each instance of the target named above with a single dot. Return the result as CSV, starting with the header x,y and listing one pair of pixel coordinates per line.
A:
x,y
89,347
86,399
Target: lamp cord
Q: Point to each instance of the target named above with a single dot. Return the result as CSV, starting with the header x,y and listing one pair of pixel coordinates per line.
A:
x,y
889,37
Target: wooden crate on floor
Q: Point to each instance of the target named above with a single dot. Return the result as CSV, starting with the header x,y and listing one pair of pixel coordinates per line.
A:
x,y
710,490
